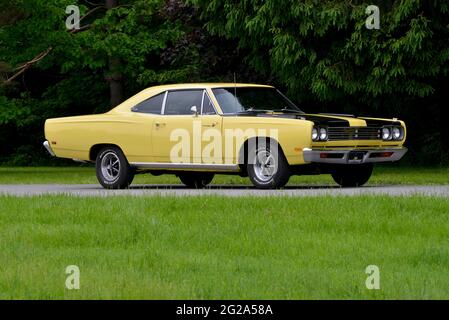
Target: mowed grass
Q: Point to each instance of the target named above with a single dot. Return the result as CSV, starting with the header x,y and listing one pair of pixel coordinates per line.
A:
x,y
383,175
224,248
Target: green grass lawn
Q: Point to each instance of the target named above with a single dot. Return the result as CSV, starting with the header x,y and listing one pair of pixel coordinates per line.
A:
x,y
81,175
224,248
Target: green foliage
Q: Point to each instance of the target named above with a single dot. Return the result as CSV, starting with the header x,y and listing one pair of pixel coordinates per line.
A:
x,y
324,55
320,51
323,48
154,42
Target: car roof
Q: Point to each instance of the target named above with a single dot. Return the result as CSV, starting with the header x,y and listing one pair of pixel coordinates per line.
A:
x,y
151,91
207,85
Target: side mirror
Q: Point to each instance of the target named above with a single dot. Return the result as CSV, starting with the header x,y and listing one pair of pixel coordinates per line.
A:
x,y
194,110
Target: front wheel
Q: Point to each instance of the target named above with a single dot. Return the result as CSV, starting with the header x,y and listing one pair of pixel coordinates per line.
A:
x,y
352,175
113,170
196,180
267,167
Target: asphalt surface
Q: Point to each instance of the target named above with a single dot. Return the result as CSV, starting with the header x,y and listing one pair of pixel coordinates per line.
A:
x,y
222,190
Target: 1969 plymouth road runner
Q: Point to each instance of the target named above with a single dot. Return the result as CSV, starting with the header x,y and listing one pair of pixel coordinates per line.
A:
x,y
197,130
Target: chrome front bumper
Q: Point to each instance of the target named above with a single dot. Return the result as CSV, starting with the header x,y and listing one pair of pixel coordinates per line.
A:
x,y
47,146
353,156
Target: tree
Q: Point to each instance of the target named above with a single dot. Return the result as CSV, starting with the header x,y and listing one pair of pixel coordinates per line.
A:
x,y
323,53
115,78
320,51
122,47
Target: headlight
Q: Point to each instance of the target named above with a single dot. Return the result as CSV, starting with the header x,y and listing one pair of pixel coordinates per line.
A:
x,y
314,134
386,133
397,133
323,134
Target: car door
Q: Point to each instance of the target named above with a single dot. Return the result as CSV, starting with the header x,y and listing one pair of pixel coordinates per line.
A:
x,y
211,132
178,133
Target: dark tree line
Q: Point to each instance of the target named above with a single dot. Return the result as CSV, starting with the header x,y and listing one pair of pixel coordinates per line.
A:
x,y
319,52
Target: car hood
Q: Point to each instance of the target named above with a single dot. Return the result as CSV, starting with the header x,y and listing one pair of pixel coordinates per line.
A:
x,y
332,120
343,120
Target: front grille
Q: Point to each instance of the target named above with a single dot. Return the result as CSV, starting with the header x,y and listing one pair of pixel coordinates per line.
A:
x,y
354,133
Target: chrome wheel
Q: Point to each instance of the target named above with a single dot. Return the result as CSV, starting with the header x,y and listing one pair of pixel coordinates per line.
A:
x,y
110,166
264,165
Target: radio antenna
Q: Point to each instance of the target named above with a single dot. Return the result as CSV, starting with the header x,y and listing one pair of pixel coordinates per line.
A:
x,y
235,93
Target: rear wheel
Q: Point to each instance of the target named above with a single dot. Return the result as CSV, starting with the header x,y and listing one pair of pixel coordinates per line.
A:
x,y
267,167
112,168
352,175
196,180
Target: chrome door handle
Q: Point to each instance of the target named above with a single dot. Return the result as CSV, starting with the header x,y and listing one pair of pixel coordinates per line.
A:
x,y
159,124
210,125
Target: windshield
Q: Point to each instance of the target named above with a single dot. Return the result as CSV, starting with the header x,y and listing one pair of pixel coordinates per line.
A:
x,y
252,99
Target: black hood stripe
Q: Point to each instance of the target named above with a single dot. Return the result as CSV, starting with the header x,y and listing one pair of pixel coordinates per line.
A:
x,y
380,123
324,120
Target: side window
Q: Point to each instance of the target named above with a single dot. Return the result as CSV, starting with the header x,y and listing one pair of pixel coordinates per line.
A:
x,y
180,102
208,107
151,105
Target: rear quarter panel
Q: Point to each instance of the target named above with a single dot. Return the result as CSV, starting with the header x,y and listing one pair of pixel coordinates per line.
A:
x,y
73,137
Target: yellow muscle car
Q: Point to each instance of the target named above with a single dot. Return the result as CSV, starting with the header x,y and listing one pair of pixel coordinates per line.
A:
x,y
197,130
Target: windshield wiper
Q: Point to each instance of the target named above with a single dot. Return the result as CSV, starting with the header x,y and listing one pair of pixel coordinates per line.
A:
x,y
291,110
251,110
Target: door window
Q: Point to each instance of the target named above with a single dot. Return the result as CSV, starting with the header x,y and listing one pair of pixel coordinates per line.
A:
x,y
181,102
208,107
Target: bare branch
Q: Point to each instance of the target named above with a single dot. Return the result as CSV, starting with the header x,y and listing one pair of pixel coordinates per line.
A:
x,y
83,28
92,4
350,4
88,13
20,70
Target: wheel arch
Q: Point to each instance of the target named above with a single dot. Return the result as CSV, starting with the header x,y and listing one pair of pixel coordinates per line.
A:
x,y
242,159
95,149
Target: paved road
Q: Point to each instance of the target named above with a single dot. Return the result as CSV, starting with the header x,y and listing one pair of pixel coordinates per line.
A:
x,y
231,191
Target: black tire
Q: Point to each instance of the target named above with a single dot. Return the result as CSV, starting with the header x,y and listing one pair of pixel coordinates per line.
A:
x,y
275,179
196,180
112,168
352,175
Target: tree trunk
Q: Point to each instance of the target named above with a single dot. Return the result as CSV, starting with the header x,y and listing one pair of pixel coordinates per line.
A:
x,y
115,77
443,98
